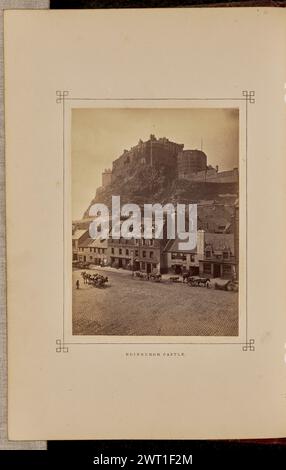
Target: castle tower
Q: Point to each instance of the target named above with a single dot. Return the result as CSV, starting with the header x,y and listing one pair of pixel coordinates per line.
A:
x,y
190,162
200,244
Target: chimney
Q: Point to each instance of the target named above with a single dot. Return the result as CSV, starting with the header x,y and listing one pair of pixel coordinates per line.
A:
x,y
200,244
216,167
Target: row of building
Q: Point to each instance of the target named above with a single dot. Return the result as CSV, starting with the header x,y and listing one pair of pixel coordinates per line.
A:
x,y
215,255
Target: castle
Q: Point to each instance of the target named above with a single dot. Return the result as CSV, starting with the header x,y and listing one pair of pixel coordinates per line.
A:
x,y
190,165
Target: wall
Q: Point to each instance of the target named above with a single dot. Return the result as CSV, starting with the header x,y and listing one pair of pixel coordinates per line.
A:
x,y
212,176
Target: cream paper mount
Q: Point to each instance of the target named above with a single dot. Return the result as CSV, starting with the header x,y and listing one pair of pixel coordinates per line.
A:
x,y
67,102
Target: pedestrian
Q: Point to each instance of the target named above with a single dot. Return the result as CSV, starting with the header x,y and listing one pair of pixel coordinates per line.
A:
x,y
77,284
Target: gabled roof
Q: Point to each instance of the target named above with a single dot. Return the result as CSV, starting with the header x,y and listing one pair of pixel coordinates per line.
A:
x,y
220,241
78,234
93,243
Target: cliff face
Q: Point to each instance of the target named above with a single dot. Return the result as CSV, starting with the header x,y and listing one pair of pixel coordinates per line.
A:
x,y
141,186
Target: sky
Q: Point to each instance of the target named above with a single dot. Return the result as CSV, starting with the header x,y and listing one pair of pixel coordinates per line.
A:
x,y
100,135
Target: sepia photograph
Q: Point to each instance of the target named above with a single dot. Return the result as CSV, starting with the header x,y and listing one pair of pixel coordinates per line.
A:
x,y
155,221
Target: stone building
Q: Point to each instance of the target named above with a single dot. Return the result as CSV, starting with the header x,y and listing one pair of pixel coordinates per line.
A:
x,y
120,252
150,256
106,177
137,255
190,162
78,237
236,236
154,152
91,251
179,261
218,259
212,175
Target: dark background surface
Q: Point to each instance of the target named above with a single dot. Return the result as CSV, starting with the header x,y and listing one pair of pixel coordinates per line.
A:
x,y
205,454
236,451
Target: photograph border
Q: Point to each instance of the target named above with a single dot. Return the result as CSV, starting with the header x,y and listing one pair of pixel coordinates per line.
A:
x,y
62,343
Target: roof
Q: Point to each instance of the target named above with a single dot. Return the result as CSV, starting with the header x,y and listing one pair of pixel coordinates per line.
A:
x,y
172,246
220,241
78,234
95,243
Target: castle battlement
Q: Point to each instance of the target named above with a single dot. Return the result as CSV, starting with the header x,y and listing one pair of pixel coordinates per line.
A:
x,y
187,164
152,152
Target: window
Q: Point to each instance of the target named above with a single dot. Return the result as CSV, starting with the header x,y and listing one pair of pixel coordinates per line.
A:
x,y
192,258
208,254
207,268
127,252
151,254
143,265
120,251
144,254
225,255
136,252
90,257
151,242
181,256
112,251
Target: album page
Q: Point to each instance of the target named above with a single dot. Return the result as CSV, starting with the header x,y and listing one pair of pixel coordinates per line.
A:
x,y
145,162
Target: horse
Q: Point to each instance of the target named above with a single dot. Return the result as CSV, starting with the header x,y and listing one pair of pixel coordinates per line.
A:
x,y
155,277
204,282
198,281
99,280
186,276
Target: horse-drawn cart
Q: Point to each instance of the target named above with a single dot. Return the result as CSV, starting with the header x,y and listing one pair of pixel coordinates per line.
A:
x,y
195,281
